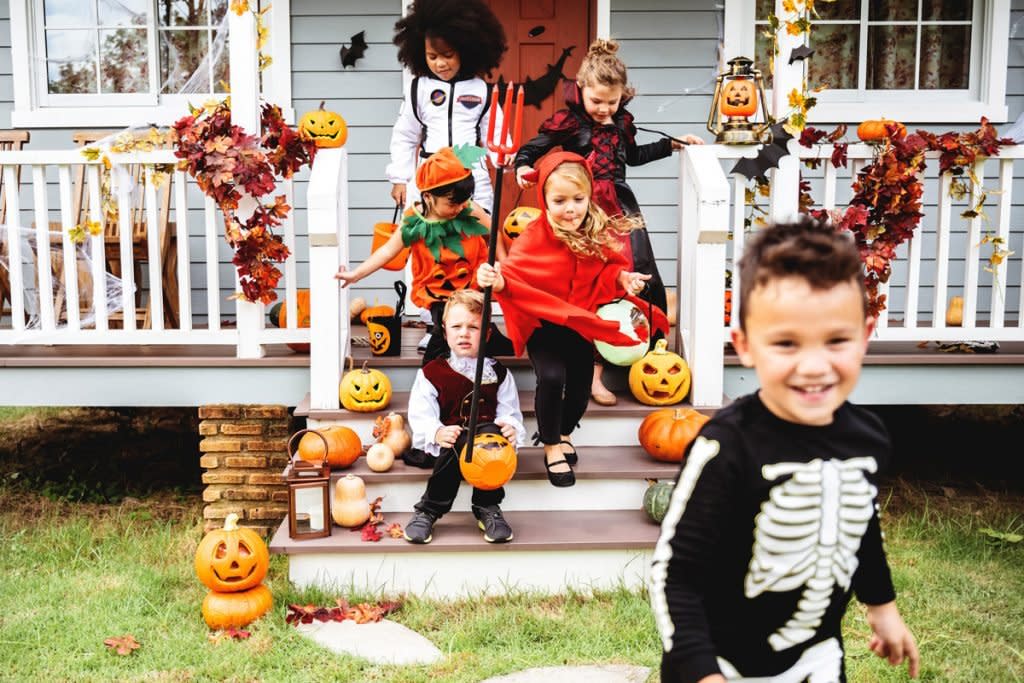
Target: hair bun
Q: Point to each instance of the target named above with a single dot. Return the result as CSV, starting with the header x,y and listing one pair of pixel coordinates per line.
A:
x,y
602,46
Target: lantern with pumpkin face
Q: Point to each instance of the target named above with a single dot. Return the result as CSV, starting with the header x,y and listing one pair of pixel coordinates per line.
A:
x,y
739,98
516,221
660,378
325,128
365,390
493,462
231,559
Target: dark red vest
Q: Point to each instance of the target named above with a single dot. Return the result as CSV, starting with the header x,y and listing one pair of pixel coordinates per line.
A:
x,y
454,392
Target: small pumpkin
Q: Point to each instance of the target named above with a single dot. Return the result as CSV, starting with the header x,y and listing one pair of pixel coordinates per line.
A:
x,y
657,497
365,390
660,378
343,446
955,312
516,221
380,311
235,610
876,130
325,128
666,433
380,457
493,462
350,507
739,97
231,559
390,430
278,316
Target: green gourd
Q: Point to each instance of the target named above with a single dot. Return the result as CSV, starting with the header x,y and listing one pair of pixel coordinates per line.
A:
x,y
656,499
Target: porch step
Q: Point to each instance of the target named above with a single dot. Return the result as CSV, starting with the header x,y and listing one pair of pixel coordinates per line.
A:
x,y
551,552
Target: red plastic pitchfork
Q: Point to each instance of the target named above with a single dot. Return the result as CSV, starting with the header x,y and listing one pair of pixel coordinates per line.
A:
x,y
505,153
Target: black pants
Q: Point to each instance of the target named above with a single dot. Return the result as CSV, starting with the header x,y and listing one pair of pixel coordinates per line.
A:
x,y
443,484
497,343
643,262
564,364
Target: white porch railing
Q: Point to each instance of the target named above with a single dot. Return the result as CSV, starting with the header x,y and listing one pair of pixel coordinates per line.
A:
x,y
35,243
945,257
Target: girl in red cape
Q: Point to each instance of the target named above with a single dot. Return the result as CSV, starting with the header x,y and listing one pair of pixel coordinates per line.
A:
x,y
561,268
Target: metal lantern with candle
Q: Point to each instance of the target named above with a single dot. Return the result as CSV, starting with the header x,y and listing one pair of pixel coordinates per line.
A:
x,y
309,486
738,92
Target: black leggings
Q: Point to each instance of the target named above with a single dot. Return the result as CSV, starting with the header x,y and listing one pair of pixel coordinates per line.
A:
x,y
564,364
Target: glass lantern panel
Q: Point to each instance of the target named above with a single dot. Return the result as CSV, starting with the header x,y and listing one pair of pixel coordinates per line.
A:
x,y
310,501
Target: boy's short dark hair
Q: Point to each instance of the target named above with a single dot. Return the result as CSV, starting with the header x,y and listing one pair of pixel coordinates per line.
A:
x,y
460,191
805,248
469,27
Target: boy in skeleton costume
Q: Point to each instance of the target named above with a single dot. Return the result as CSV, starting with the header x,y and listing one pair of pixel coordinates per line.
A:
x,y
773,523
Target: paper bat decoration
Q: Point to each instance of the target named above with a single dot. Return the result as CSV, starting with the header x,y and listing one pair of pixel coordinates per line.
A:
x,y
800,52
536,31
536,91
767,157
355,51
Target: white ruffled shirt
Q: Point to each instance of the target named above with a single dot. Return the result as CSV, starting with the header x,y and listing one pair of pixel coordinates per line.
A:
x,y
425,412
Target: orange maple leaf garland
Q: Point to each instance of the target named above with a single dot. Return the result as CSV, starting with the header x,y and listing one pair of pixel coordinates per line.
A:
x,y
226,161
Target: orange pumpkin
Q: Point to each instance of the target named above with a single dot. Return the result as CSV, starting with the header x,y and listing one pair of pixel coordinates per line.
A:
x,y
231,559
660,378
876,130
343,446
739,98
516,221
493,462
325,128
235,610
666,433
375,312
278,316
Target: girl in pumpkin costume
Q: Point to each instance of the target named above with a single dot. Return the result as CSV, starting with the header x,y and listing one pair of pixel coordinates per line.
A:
x,y
446,234
560,269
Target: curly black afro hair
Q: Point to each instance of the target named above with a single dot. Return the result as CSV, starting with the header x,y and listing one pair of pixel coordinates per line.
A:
x,y
468,26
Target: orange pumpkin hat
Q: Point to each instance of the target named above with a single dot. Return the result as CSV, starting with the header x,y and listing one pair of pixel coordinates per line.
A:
x,y
441,168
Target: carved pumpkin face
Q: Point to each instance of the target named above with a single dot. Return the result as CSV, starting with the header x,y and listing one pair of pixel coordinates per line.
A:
x,y
231,559
364,391
380,337
493,462
448,277
660,378
739,98
516,221
325,128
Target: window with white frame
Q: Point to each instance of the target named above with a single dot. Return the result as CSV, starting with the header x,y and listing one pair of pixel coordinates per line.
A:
x,y
916,60
119,62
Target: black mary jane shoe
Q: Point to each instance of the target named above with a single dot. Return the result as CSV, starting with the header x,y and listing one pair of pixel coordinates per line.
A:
x,y
560,479
571,457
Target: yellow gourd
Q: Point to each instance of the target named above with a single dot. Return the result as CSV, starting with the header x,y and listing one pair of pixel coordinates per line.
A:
x,y
955,312
350,507
390,430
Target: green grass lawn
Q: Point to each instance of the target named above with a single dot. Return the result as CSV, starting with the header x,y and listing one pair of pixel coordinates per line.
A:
x,y
72,575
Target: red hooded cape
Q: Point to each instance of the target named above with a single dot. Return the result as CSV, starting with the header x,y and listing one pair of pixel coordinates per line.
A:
x,y
545,280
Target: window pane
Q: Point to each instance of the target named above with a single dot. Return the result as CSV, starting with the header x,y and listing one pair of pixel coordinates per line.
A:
x,y
68,13
181,52
218,8
765,8
836,56
892,10
948,10
945,57
890,58
124,61
124,12
840,9
71,62
762,58
221,70
182,13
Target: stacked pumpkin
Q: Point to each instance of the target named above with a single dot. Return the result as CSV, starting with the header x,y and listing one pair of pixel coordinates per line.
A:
x,y
232,562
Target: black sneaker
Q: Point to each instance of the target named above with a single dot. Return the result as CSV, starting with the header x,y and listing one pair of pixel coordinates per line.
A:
x,y
420,529
494,526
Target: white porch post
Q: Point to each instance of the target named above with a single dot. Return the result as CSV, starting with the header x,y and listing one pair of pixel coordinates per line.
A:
x,y
785,179
245,112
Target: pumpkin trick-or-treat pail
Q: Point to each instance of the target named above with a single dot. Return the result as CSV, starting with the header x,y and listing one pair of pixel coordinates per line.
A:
x,y
381,234
385,331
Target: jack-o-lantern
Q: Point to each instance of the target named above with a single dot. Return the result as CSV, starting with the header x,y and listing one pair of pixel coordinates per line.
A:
x,y
516,221
446,278
380,338
231,559
325,128
660,378
278,317
739,98
493,462
365,390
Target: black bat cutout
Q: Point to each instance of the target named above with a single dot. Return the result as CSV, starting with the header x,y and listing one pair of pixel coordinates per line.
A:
x,y
767,157
536,31
536,91
355,51
800,52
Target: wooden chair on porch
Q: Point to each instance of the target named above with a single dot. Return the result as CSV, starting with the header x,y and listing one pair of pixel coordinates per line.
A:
x,y
140,242
12,139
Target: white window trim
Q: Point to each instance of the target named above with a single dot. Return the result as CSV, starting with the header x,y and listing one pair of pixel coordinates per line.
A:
x,y
28,113
917,107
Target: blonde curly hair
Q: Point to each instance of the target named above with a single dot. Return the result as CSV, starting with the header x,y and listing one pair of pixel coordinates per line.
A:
x,y
602,66
598,231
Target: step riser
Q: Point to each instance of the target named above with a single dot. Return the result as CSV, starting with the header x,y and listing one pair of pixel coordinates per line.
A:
x,y
452,575
401,377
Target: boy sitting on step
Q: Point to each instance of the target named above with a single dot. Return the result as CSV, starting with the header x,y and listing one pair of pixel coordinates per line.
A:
x,y
439,407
